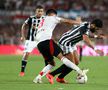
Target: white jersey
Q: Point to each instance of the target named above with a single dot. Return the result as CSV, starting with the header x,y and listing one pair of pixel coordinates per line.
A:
x,y
45,32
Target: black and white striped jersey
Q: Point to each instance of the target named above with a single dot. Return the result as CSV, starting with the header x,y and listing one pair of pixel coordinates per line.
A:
x,y
34,24
75,34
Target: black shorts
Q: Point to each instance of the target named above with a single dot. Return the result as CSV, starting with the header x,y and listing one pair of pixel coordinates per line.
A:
x,y
49,49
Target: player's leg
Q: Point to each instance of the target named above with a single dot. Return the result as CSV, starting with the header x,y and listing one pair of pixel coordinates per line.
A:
x,y
23,63
46,53
80,46
63,69
70,64
29,46
45,70
73,56
57,53
51,47
80,52
46,63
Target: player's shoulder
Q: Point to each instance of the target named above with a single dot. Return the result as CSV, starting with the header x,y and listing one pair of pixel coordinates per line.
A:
x,y
33,16
85,23
43,16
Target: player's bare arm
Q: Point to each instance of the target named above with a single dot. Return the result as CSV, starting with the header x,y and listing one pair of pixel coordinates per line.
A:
x,y
69,21
78,19
89,43
23,32
102,36
97,36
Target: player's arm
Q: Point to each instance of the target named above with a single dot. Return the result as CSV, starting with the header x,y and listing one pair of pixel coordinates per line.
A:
x,y
78,18
100,36
23,28
70,21
90,44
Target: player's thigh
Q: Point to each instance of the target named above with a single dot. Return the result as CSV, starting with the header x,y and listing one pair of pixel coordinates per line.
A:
x,y
75,54
25,55
70,57
72,54
44,49
76,57
56,50
29,46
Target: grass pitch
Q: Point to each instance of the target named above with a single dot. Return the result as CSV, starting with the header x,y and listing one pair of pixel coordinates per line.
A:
x,y
10,68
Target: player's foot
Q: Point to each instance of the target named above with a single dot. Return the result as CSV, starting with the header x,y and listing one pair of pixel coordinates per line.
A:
x,y
50,78
37,80
61,80
21,74
84,72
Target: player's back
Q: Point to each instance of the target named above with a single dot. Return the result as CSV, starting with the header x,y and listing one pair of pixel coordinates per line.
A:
x,y
75,34
50,22
45,32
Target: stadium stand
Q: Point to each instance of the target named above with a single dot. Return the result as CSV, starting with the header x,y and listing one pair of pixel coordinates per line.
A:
x,y
14,12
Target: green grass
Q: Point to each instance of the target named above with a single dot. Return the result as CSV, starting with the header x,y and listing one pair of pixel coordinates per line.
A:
x,y
10,68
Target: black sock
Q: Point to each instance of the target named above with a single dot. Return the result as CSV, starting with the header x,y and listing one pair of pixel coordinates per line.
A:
x,y
46,63
66,71
24,62
80,58
58,70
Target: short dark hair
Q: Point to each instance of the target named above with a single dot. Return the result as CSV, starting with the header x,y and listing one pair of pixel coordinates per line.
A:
x,y
98,23
39,7
49,11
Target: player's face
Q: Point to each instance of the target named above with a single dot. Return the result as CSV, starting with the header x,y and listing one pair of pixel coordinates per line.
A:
x,y
39,12
93,28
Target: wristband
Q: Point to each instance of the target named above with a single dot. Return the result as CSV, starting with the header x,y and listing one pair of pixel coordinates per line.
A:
x,y
95,36
95,48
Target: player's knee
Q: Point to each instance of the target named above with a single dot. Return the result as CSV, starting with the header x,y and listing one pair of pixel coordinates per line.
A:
x,y
46,63
52,63
26,55
76,62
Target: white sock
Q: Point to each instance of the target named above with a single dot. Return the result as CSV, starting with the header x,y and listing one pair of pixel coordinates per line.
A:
x,y
45,70
71,65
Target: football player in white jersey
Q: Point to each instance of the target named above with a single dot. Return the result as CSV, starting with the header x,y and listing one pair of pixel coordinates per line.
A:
x,y
33,23
48,48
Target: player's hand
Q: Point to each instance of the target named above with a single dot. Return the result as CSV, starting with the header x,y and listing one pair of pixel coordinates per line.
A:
x,y
79,19
100,52
22,39
102,36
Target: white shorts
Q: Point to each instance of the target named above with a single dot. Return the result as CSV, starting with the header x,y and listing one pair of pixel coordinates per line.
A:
x,y
29,46
68,49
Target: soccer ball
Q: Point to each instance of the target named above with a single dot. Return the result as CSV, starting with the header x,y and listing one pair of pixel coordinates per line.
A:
x,y
81,79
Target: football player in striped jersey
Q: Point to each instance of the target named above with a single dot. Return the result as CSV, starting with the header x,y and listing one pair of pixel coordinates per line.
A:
x,y
34,23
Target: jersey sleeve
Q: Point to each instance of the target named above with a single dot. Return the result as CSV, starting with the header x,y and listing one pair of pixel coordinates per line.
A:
x,y
84,29
57,19
27,21
87,32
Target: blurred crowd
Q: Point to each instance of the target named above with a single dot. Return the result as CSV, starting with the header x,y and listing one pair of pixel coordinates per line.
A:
x,y
14,12
67,5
